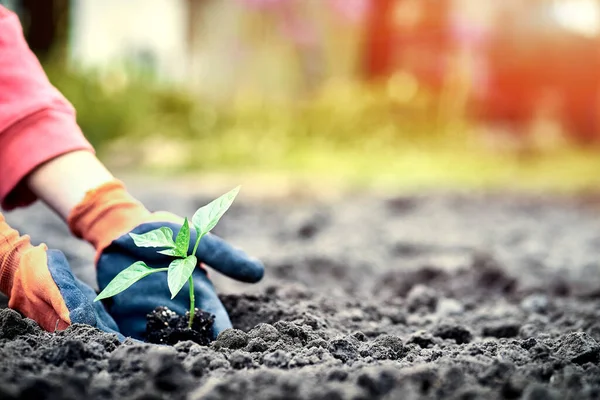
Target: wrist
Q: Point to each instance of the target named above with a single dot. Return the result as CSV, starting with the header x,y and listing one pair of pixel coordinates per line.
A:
x,y
106,213
63,182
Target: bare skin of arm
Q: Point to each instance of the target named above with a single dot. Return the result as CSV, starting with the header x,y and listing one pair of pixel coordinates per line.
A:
x,y
62,182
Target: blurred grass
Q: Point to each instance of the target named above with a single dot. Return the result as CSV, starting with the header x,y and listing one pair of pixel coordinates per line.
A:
x,y
392,135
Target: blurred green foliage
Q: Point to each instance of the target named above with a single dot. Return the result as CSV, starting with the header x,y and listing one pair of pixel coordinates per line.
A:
x,y
107,107
394,134
122,106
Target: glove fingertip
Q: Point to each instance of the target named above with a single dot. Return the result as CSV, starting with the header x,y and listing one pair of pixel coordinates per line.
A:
x,y
254,271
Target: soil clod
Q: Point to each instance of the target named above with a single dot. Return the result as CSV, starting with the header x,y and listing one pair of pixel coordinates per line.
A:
x,y
457,333
579,348
504,329
231,339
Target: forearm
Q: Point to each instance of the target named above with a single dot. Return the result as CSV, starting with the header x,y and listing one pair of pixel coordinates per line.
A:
x,y
63,182
40,140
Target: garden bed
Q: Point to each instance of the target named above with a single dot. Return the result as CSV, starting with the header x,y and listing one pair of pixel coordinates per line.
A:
x,y
437,297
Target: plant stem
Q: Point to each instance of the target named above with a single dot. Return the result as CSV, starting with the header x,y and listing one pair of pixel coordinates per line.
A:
x,y
192,302
196,245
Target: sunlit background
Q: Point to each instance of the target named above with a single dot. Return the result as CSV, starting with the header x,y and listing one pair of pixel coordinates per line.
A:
x,y
370,94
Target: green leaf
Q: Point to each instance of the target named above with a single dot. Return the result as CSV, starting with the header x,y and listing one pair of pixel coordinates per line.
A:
x,y
126,278
179,272
182,241
207,217
161,237
170,252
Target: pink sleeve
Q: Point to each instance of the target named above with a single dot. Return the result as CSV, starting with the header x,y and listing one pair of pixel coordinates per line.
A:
x,y
36,122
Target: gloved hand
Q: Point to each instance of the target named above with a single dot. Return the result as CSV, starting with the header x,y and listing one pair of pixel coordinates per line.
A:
x,y
107,215
39,283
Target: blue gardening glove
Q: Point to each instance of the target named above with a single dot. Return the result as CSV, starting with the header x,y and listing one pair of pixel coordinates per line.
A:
x,y
107,215
129,308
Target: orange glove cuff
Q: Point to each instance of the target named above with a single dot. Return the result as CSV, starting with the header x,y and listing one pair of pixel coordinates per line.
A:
x,y
26,280
108,212
12,246
105,213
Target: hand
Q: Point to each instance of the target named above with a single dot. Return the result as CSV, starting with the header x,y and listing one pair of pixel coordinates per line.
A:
x,y
129,308
107,215
42,287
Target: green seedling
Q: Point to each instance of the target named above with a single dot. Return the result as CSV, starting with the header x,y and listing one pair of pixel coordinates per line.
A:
x,y
181,268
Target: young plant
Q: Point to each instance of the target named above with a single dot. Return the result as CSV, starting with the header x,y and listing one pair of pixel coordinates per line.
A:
x,y
181,268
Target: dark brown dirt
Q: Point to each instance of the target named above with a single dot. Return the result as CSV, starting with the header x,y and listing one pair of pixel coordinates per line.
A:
x,y
431,297
164,326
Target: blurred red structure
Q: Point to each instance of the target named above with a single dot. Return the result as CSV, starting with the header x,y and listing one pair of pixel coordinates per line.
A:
x,y
408,34
532,66
543,68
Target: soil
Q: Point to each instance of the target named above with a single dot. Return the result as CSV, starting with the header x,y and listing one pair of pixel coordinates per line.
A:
x,y
441,296
164,326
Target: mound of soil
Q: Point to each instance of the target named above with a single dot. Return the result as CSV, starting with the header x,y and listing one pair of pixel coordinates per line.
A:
x,y
439,297
164,326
